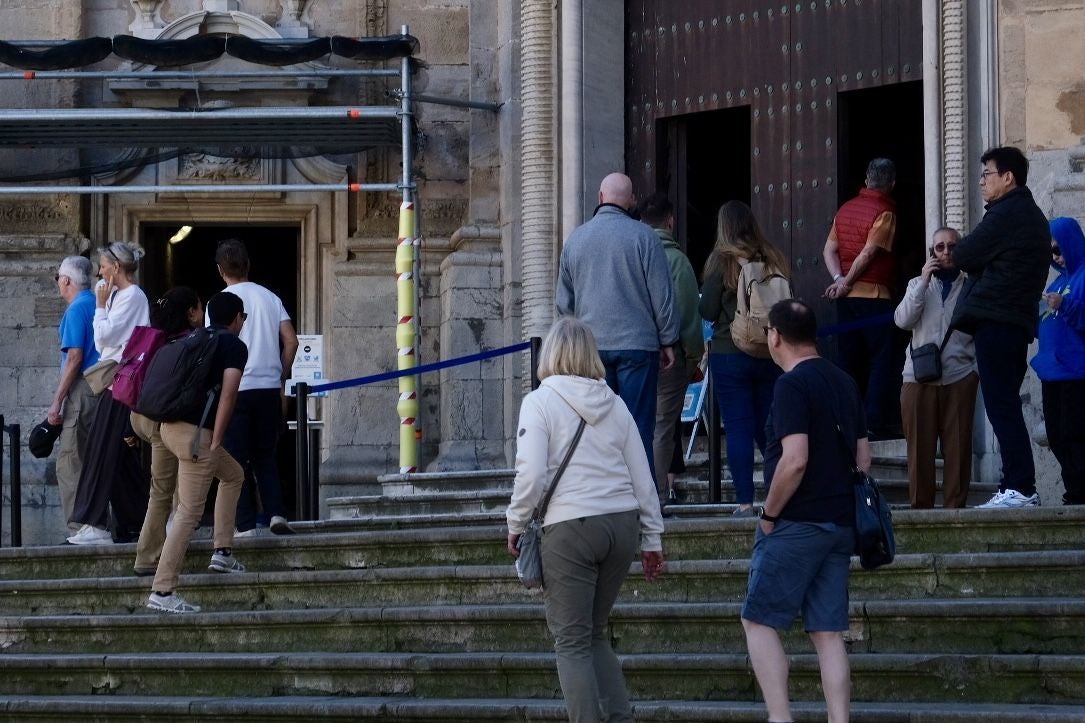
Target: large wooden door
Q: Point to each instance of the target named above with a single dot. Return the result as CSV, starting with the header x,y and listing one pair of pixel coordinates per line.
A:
x,y
788,64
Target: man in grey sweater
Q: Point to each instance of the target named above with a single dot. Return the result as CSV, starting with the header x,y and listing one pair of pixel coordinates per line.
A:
x,y
615,278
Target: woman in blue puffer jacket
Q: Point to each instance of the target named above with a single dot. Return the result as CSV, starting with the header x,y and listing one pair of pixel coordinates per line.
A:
x,y
1060,362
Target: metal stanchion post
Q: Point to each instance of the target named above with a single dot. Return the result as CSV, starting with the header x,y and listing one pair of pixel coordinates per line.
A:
x,y
715,466
301,466
2,428
16,487
536,345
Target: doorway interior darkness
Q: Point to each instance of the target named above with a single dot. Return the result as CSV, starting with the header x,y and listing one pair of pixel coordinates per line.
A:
x,y
273,252
705,159
887,122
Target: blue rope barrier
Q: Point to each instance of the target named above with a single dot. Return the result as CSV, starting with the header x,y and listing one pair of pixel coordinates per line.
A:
x,y
435,366
855,325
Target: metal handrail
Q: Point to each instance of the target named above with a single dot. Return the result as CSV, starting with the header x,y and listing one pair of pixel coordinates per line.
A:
x,y
16,486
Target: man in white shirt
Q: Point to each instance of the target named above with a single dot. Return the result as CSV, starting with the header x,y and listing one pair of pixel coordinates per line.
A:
x,y
253,434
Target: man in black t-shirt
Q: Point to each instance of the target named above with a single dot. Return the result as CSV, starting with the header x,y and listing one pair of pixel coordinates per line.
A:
x,y
226,313
816,432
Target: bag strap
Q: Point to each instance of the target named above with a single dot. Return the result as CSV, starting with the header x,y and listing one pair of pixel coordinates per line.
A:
x,y
540,511
840,434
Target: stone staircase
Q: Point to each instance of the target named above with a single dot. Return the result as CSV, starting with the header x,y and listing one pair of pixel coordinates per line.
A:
x,y
982,617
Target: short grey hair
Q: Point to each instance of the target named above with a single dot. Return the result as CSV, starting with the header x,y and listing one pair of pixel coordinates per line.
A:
x,y
881,174
125,255
78,269
570,349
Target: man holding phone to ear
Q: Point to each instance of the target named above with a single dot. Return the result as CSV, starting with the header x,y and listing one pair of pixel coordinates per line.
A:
x,y
938,409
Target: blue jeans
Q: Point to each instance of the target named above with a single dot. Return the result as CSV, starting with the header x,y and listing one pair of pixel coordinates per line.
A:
x,y
633,375
1001,360
744,386
253,440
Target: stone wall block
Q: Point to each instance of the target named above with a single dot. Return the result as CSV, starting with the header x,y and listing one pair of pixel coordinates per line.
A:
x,y
442,29
37,385
445,154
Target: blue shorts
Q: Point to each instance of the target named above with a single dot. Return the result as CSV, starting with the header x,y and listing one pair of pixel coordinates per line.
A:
x,y
801,566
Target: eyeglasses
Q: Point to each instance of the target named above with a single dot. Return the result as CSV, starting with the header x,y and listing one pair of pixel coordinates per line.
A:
x,y
941,247
991,173
244,316
767,329
1056,251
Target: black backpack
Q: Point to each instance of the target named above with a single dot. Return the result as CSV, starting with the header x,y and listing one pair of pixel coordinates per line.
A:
x,y
178,384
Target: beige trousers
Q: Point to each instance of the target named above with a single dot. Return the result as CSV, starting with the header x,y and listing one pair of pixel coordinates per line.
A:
x,y
78,414
161,499
193,481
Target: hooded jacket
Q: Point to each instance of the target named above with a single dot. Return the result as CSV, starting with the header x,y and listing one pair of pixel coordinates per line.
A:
x,y
1061,356
1006,258
607,473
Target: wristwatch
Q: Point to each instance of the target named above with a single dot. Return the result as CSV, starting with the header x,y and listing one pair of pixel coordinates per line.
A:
x,y
837,277
766,516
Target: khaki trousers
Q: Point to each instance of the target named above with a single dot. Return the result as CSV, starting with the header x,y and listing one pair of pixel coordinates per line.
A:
x,y
160,501
670,395
193,482
932,412
78,414
585,562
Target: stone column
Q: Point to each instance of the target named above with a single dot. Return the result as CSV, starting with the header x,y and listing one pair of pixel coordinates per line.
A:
x,y
472,423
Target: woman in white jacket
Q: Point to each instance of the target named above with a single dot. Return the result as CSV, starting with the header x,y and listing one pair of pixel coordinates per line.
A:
x,y
111,473
603,505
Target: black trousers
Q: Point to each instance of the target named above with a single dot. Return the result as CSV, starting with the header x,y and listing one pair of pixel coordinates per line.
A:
x,y
111,474
253,440
1064,416
1002,360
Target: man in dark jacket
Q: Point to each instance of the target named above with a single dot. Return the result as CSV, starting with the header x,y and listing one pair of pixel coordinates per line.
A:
x,y
1006,258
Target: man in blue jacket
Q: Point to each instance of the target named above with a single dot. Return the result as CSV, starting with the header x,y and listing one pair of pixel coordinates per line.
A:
x,y
1006,258
615,278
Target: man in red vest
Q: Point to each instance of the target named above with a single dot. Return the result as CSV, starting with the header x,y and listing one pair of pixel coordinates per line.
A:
x,y
859,255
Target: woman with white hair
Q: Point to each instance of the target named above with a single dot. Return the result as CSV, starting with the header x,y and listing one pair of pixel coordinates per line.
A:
x,y
111,474
603,505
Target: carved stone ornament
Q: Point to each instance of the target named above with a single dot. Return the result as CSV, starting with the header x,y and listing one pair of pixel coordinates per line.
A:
x,y
290,24
148,18
203,167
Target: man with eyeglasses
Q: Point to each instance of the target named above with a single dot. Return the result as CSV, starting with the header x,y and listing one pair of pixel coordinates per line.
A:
x,y
73,402
941,408
1006,258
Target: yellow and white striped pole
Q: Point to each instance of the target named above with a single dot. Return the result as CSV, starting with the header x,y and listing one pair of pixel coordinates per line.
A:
x,y
406,339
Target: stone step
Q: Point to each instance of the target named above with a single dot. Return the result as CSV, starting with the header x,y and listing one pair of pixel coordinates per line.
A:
x,y
414,483
304,709
965,575
1042,626
470,501
697,677
895,490
712,534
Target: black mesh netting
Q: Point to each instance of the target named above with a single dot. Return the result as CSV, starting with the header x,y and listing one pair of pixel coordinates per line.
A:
x,y
201,48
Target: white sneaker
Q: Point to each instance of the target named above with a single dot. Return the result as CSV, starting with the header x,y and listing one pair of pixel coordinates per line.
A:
x,y
90,535
172,603
1011,499
246,533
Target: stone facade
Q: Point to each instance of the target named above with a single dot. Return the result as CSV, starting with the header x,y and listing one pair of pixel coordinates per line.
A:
x,y
1042,110
480,253
346,283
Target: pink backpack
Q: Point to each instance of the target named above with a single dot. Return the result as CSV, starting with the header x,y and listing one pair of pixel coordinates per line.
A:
x,y
139,350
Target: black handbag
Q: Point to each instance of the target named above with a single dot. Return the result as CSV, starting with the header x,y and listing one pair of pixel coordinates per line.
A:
x,y
875,543
927,360
529,562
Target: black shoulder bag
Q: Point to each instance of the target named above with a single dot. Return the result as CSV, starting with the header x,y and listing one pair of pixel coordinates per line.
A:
x,y
874,541
927,360
529,563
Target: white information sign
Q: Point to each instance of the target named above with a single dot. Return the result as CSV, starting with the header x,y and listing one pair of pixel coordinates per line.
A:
x,y
308,363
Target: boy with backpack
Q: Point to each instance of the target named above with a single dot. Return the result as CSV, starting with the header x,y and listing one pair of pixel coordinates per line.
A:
x,y
191,388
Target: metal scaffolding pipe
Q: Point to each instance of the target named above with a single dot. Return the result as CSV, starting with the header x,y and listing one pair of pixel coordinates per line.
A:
x,y
191,75
203,188
17,115
407,268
